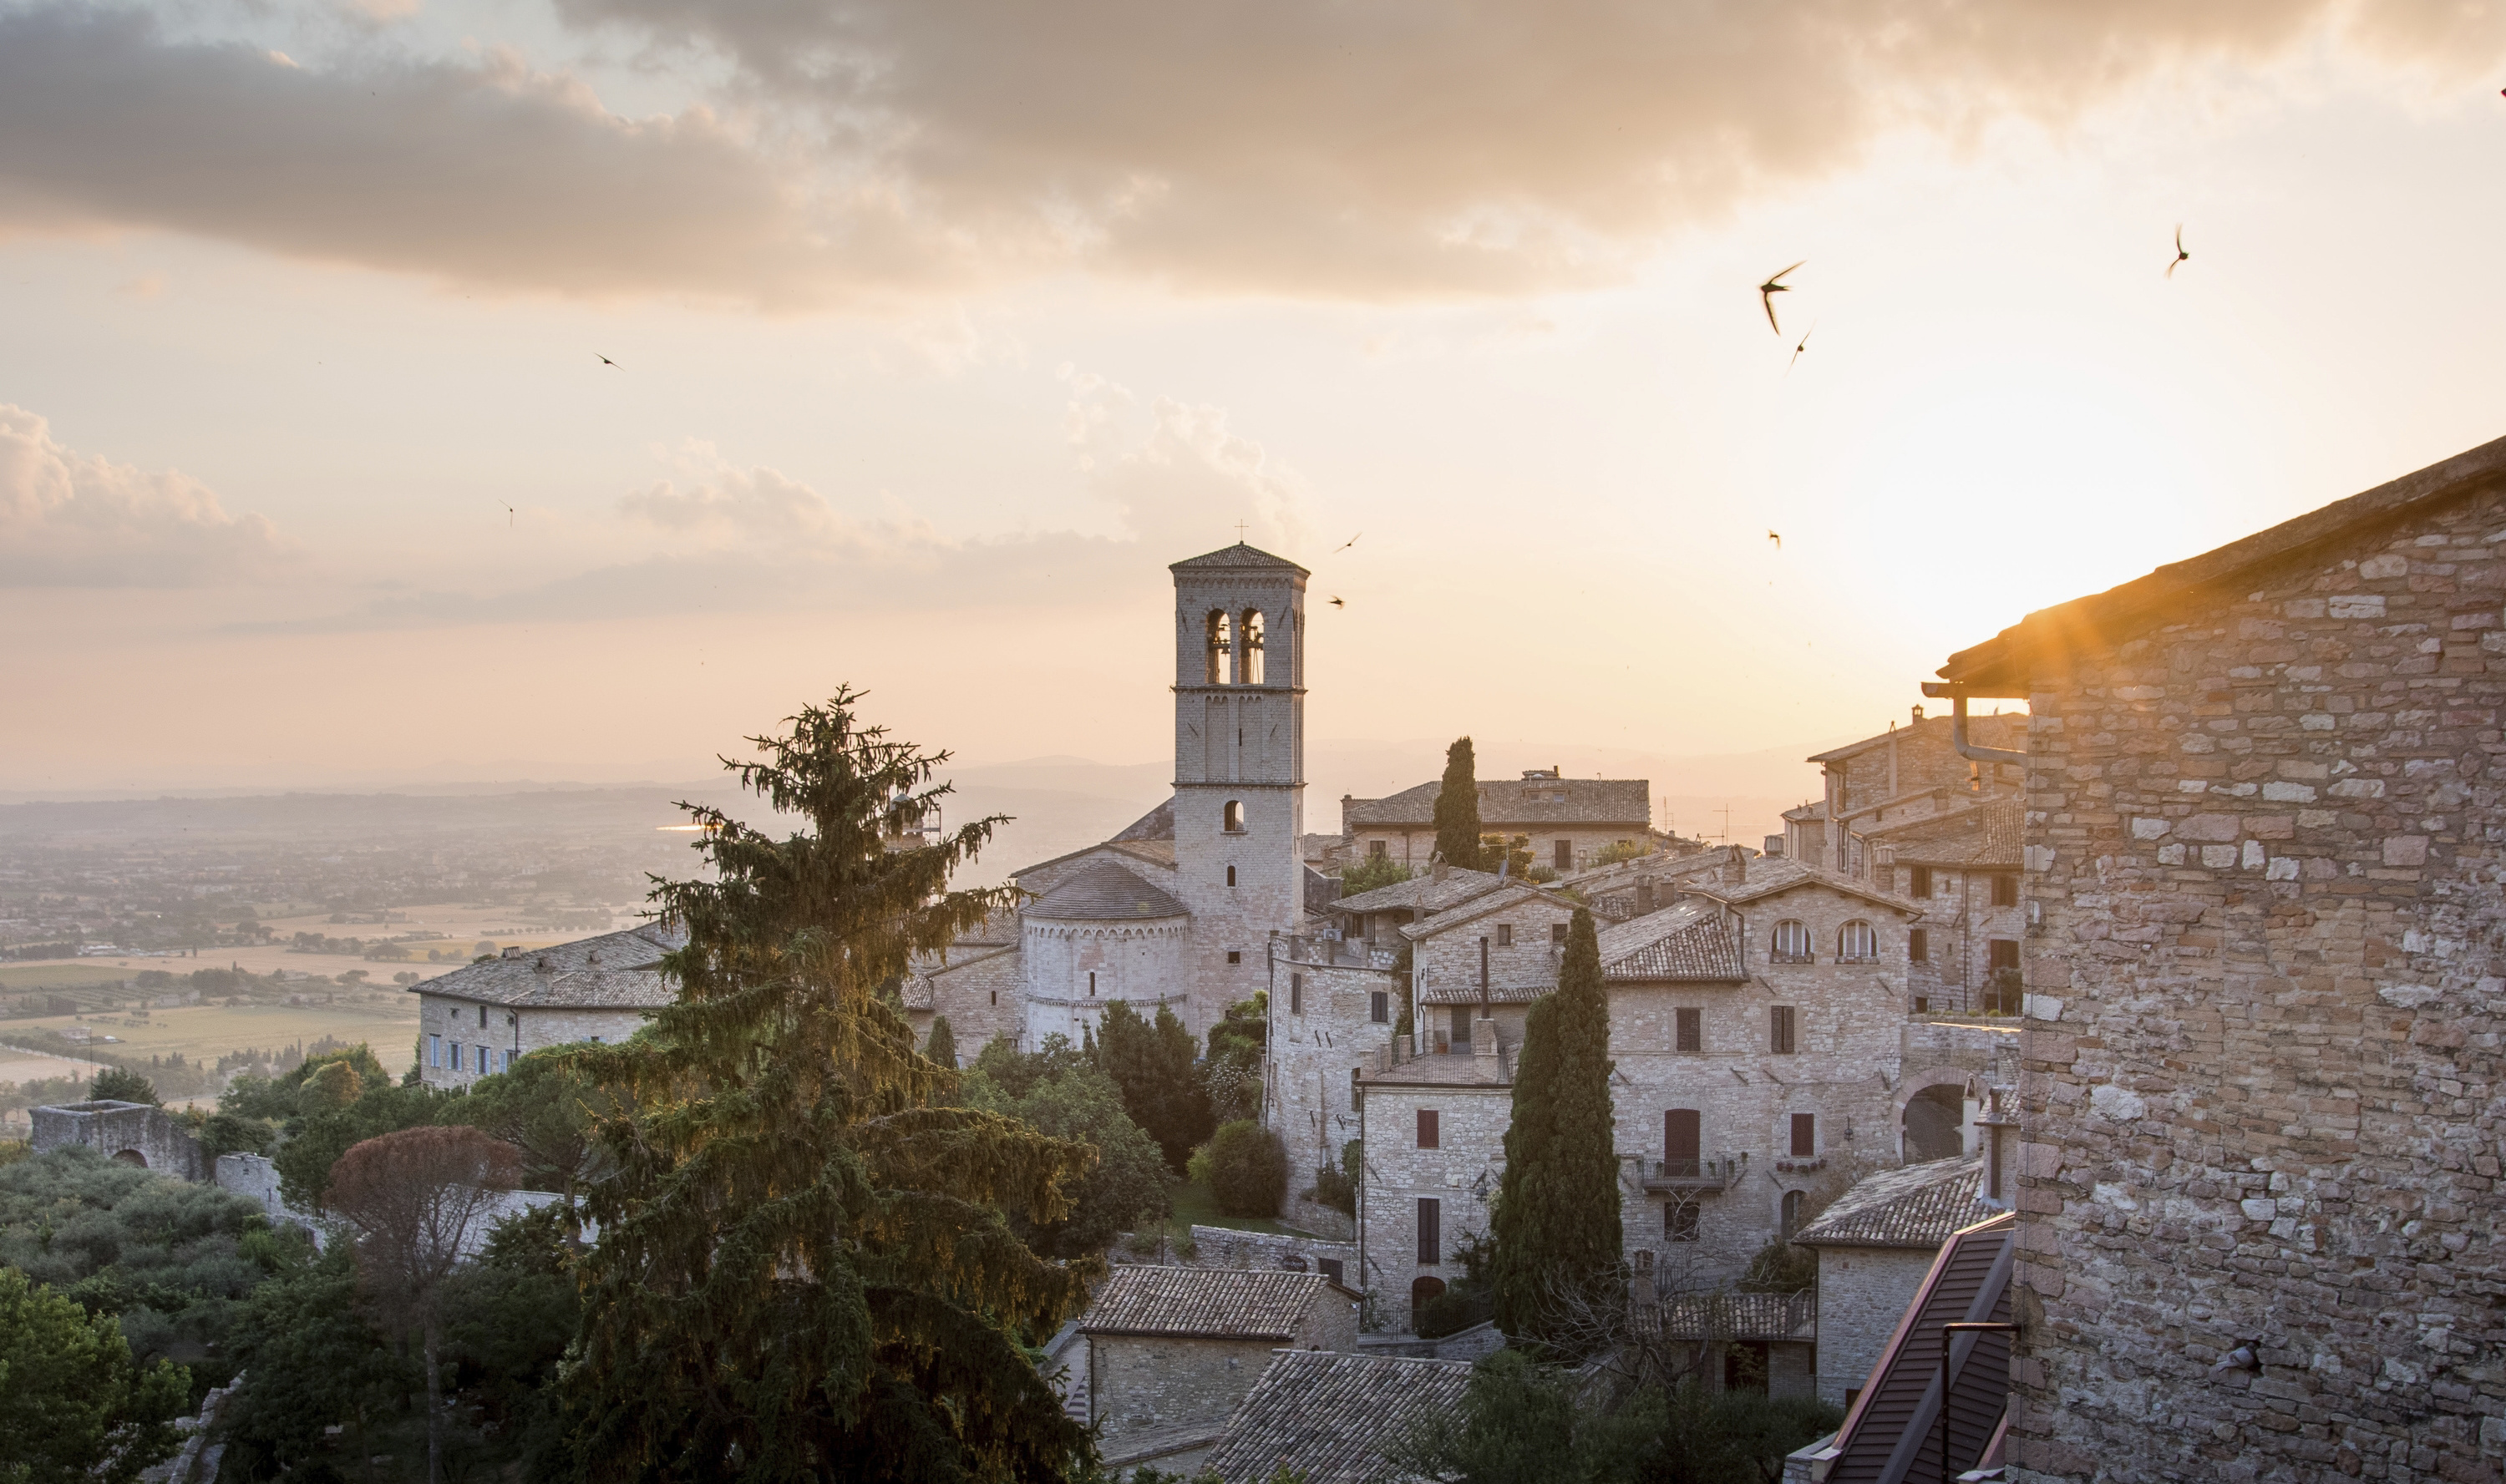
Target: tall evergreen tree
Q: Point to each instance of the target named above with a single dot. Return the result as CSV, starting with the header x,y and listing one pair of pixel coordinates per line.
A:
x,y
942,1050
1457,808
1152,1062
804,1269
1557,1218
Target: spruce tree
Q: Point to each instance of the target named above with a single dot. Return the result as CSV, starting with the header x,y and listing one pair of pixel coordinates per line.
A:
x,y
1557,1218
804,1270
1457,808
1152,1061
944,1043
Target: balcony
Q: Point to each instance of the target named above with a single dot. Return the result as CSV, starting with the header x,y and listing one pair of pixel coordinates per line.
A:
x,y
1693,1174
1800,1165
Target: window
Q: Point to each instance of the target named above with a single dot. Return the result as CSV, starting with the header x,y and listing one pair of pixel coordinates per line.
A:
x,y
1231,875
1505,934
1461,1026
1232,818
507,1059
1092,983
1557,933
1681,1154
1857,943
1431,1232
1378,1007
2005,889
1248,668
1780,1022
1564,855
2005,953
1692,1030
1222,647
1679,1220
1428,1129
1330,1267
1919,881
1375,851
1805,1136
455,1049
482,1017
1919,945
1792,1213
1296,994
997,996
1792,943
1421,1291
435,1050
1235,955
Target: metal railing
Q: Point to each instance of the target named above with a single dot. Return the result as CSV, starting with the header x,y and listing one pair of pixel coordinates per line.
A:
x,y
1689,1174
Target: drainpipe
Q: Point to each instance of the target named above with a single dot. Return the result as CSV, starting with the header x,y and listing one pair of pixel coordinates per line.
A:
x,y
1956,697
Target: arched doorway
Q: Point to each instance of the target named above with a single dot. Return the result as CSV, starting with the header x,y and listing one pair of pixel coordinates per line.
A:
x,y
1933,1117
130,1157
1423,1289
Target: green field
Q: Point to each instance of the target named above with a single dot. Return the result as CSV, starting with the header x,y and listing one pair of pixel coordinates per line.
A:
x,y
23,977
207,1031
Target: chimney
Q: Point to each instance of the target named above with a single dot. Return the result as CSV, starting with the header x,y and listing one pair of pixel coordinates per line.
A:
x,y
2000,1152
513,950
1440,869
1644,895
1736,868
1918,716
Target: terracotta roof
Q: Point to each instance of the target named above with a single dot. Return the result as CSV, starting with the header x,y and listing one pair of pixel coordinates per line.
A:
x,y
2003,665
1156,824
1985,731
1915,1205
1104,893
1506,802
1732,1316
1210,1303
1768,876
1478,905
1155,852
1237,555
616,971
1892,1432
1422,893
1328,1416
1987,836
1689,941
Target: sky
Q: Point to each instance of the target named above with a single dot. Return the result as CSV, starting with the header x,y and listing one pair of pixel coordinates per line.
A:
x,y
939,330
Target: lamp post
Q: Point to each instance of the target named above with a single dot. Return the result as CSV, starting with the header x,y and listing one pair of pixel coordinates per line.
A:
x,y
1949,1333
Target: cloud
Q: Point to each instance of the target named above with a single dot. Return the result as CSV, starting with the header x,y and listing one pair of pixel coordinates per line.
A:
x,y
1388,150
751,539
72,521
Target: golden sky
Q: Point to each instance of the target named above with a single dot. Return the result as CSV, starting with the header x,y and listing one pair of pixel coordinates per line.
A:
x,y
940,329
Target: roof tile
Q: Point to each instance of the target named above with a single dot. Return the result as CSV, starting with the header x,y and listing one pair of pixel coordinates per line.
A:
x,y
1329,1416
1915,1205
1214,1304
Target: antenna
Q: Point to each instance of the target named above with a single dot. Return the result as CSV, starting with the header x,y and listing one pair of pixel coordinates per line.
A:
x,y
1724,835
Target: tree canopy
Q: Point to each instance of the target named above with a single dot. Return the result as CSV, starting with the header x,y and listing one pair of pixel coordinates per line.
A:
x,y
75,1409
1074,1100
1557,1217
1153,1063
121,1084
1458,807
803,1268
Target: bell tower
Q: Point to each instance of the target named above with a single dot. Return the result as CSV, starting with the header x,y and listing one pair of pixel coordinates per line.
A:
x,y
1240,778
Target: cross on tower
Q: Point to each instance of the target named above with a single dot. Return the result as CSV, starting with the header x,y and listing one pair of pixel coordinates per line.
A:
x,y
1239,531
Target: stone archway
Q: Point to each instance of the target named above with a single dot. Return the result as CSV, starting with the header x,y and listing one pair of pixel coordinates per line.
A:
x,y
130,1157
1934,1121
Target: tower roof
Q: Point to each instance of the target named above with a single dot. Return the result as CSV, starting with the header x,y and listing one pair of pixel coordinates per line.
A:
x,y
1105,892
1237,555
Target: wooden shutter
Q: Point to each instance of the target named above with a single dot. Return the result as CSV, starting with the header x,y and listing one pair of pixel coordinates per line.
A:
x,y
1680,1140
1431,1231
1805,1134
1780,1025
1692,1030
1428,1129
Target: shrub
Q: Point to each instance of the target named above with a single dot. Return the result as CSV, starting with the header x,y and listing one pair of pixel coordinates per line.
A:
x,y
1337,1187
1245,1167
122,1085
1779,1267
1372,873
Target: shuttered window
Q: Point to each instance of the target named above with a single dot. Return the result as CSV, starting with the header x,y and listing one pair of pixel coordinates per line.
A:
x,y
1692,1030
1805,1134
1919,945
1920,881
1780,1040
1429,1130
1680,1140
1431,1231
2005,890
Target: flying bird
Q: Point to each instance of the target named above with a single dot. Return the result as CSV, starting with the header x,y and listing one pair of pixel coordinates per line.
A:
x,y
1340,602
605,361
1767,291
2181,256
1345,545
1778,540
509,512
1798,350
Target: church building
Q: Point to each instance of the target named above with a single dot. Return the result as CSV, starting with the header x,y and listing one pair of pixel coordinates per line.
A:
x,y
1179,909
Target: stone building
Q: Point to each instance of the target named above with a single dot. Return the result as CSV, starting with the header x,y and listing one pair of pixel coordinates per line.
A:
x,y
1170,1352
480,1019
1432,1129
1875,1244
142,1133
1569,820
1963,868
2266,965
1901,774
1179,909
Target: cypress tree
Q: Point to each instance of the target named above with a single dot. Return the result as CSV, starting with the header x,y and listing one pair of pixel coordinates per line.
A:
x,y
1557,1217
804,1270
1457,808
944,1043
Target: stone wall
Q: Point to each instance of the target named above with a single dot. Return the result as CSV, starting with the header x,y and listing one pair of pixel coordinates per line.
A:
x,y
1447,958
1143,1386
134,1133
1461,1176
1226,1248
1862,1294
979,991
2266,1006
443,1022
1309,1101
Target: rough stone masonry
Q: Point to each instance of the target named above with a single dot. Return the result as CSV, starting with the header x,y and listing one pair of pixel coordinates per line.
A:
x,y
2261,1065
